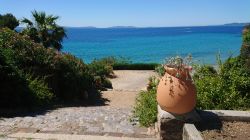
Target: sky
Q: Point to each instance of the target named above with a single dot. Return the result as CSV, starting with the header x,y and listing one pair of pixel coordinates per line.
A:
x,y
140,13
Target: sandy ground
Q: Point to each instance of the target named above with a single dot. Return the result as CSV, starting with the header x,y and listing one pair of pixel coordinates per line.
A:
x,y
131,80
127,86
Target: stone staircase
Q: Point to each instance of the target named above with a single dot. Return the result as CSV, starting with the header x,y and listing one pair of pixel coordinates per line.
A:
x,y
46,136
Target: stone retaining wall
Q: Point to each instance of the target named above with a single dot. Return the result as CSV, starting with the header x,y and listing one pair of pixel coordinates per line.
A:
x,y
173,128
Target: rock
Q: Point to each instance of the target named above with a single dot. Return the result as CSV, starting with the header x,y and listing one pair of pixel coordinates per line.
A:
x,y
171,125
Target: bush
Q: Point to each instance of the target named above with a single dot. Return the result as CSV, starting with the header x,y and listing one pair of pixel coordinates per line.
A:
x,y
226,89
102,67
146,105
204,71
135,66
41,94
18,89
66,76
229,87
121,63
245,48
70,78
101,70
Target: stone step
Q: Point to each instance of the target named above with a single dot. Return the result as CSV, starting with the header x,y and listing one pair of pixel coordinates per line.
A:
x,y
46,136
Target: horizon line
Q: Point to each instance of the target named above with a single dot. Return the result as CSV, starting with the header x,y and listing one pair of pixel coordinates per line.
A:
x,y
125,26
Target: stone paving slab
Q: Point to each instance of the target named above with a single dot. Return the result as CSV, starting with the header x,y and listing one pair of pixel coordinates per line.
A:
x,y
76,120
44,136
232,115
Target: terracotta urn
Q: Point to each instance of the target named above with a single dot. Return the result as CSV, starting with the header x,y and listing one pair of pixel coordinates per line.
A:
x,y
176,92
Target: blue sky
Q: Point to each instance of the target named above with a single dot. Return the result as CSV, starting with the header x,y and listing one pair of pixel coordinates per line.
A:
x,y
141,13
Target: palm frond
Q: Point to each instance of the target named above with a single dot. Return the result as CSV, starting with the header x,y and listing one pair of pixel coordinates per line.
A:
x,y
27,21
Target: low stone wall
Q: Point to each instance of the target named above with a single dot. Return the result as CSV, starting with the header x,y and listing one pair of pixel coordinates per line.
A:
x,y
172,127
191,133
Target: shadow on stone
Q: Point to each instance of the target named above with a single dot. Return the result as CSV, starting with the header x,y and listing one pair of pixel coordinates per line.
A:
x,y
171,125
209,121
95,99
172,130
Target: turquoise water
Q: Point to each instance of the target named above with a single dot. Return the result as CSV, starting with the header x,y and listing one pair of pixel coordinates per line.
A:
x,y
154,44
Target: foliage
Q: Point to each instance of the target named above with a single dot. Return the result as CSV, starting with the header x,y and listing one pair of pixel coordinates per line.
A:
x,y
101,70
8,21
204,71
102,67
246,35
245,48
66,76
146,105
152,83
44,30
122,63
41,93
226,89
18,89
178,62
69,78
136,66
160,70
229,86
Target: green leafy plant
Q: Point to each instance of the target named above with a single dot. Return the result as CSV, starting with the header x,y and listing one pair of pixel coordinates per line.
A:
x,y
226,88
178,67
122,63
146,105
65,76
245,48
19,89
160,70
135,66
178,62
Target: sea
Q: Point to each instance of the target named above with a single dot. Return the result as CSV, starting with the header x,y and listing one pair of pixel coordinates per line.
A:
x,y
154,45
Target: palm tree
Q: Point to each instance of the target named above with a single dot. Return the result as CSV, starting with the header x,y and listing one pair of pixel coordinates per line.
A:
x,y
43,29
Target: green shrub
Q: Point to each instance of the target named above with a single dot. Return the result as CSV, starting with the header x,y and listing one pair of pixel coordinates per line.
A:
x,y
146,108
135,66
70,78
67,77
18,89
146,105
204,71
41,94
122,63
245,48
101,70
101,67
229,88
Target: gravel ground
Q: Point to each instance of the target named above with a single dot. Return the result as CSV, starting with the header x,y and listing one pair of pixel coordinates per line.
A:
x,y
229,131
111,119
